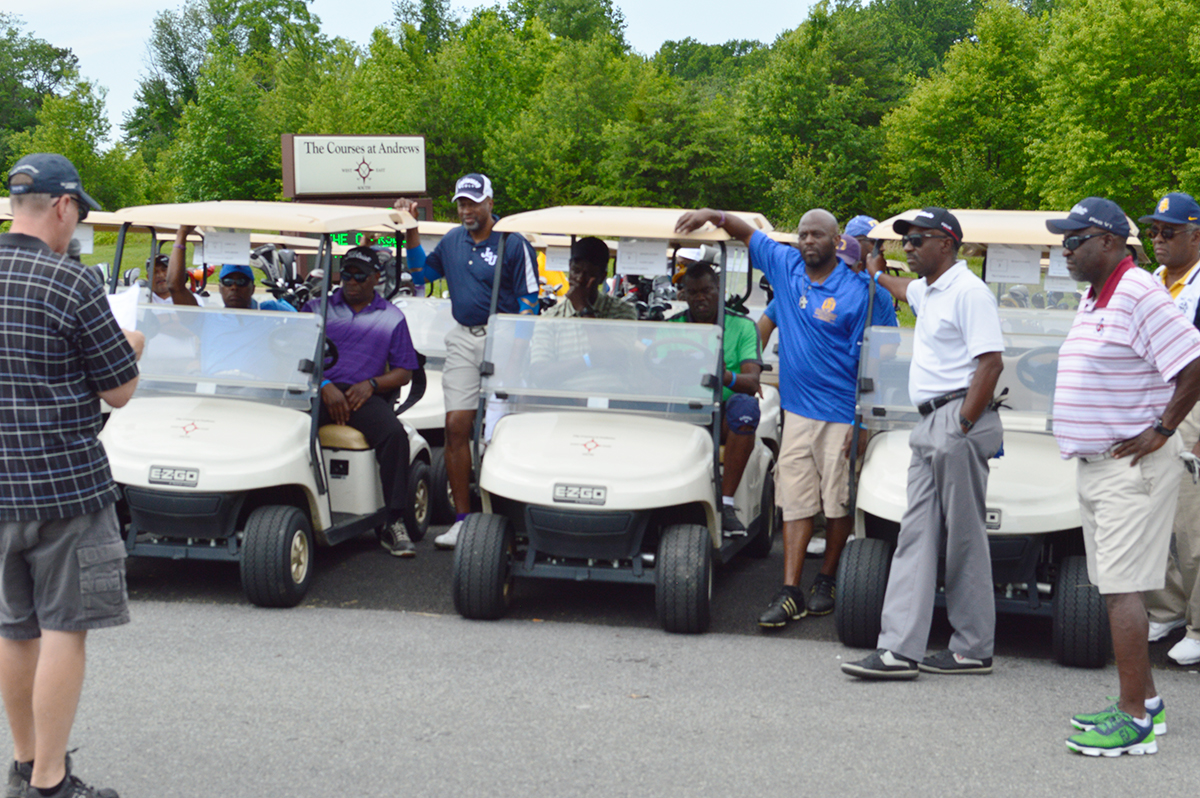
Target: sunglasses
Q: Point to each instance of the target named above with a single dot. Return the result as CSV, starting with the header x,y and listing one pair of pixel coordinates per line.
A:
x,y
80,207
239,280
356,276
1075,242
916,240
1165,233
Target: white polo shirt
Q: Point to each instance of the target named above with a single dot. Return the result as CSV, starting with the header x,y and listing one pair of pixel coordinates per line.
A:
x,y
1116,368
957,322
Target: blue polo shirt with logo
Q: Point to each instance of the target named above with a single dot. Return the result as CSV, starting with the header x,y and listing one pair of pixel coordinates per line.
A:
x,y
470,268
820,330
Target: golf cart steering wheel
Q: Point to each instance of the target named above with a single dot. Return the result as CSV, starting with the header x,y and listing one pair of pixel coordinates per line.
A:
x,y
685,343
331,354
1037,369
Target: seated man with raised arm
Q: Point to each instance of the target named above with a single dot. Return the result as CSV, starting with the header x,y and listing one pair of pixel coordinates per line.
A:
x,y
743,365
237,281
376,358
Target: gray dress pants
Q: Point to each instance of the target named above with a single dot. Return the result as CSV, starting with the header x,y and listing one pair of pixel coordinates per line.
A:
x,y
947,491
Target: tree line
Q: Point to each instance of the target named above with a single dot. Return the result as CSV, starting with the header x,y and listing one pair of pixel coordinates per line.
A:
x,y
865,107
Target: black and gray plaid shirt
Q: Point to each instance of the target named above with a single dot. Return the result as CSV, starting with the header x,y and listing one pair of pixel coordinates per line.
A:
x,y
59,346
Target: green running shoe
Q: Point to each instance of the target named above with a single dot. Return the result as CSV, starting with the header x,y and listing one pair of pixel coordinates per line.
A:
x,y
1089,722
1115,735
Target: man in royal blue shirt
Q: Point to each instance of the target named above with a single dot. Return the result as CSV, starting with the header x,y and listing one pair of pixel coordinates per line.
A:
x,y
821,309
466,257
376,358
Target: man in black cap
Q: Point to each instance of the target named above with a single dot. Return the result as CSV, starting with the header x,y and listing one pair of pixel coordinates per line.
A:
x,y
1174,232
956,361
62,561
1128,375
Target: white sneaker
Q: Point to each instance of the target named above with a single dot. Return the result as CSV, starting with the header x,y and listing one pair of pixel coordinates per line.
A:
x,y
449,538
1186,651
1160,630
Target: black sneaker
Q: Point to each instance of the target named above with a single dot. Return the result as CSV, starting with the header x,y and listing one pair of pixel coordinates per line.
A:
x,y
883,664
820,595
73,787
730,524
396,540
949,662
788,605
18,779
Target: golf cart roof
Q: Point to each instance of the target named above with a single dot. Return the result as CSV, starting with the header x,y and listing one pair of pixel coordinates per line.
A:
x,y
585,220
100,220
244,215
299,244
997,227
784,238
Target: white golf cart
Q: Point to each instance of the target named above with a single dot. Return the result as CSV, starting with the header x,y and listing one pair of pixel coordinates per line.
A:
x,y
608,468
1033,517
219,455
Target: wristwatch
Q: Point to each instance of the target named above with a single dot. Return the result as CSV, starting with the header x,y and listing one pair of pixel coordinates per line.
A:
x,y
374,384
966,423
1162,430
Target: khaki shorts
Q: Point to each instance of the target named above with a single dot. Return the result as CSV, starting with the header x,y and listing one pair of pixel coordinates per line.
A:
x,y
812,474
65,575
1127,515
460,375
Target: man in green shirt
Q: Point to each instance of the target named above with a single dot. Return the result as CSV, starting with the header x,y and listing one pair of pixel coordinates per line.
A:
x,y
743,365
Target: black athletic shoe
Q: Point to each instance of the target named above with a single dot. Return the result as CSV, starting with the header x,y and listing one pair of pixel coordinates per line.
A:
x,y
949,662
820,595
883,664
788,605
730,524
18,779
72,787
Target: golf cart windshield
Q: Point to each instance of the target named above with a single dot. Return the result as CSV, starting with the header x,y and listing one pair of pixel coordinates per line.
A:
x,y
649,368
428,322
1031,343
256,355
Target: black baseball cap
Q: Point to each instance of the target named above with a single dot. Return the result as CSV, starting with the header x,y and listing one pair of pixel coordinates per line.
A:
x,y
364,258
1174,208
50,173
1092,212
932,219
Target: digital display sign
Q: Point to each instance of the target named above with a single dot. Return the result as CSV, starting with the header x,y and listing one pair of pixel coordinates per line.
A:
x,y
358,239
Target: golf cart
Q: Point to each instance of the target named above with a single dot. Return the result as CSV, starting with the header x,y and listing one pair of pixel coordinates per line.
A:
x,y
608,467
219,455
1032,514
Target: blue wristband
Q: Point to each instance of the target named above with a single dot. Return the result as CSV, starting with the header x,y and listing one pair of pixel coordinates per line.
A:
x,y
732,380
325,382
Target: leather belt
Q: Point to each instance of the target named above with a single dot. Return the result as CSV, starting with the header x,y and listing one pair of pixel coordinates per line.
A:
x,y
925,408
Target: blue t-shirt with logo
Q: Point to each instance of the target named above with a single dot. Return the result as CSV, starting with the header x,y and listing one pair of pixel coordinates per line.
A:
x,y
820,330
470,268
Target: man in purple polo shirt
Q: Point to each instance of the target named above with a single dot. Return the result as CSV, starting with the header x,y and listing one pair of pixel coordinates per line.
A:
x,y
375,358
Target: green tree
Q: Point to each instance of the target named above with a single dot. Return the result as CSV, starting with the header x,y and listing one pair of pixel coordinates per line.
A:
x,y
431,21
1119,81
688,59
31,69
917,34
959,139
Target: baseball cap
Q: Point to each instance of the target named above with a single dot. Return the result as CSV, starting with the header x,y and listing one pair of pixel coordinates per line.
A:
x,y
848,250
158,260
475,187
860,226
932,219
235,268
50,173
1174,208
1092,212
364,258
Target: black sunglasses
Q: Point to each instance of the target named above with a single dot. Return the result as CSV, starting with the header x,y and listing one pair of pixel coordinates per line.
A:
x,y
356,276
917,240
1075,242
80,206
1165,233
239,280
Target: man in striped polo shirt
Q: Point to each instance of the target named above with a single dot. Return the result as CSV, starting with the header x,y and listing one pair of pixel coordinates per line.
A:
x,y
1128,374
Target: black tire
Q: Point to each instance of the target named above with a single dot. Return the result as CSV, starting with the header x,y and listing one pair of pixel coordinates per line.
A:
x,y
683,574
442,505
764,541
277,556
420,501
861,584
482,580
1082,637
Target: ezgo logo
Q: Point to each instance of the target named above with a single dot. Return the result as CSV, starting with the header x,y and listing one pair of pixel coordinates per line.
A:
x,y
175,477
580,494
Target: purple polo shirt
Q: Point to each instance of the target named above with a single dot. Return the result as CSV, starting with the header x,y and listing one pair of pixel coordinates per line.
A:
x,y
369,342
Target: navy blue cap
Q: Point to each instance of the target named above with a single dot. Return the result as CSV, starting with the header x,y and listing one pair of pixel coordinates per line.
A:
x,y
848,250
236,268
931,219
48,173
1175,208
1092,212
860,226
475,187
365,258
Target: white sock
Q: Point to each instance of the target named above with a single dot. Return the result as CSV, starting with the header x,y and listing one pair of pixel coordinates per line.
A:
x,y
1152,703
1143,723
727,501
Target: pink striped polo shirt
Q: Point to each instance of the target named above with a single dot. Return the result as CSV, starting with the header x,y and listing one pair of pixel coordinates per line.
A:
x,y
1115,369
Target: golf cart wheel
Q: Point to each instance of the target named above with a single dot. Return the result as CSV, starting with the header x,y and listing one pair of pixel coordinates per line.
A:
x,y
861,583
442,504
683,579
482,581
761,546
420,500
277,556
1081,634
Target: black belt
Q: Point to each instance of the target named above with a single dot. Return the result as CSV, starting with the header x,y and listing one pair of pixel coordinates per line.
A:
x,y
925,408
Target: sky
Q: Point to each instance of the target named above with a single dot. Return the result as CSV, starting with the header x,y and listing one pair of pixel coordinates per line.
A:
x,y
109,37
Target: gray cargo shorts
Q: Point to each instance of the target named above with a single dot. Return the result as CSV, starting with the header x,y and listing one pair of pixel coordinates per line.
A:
x,y
65,575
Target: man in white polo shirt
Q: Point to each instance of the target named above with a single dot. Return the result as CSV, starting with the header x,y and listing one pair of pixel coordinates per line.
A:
x,y
1128,373
955,365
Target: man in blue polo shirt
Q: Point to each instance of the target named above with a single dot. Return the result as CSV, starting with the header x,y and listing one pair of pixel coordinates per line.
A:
x,y
466,257
375,358
821,309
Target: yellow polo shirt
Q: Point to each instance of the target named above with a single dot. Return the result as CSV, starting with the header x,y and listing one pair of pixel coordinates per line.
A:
x,y
1179,284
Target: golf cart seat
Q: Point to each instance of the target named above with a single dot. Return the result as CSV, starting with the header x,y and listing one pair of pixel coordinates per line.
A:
x,y
342,436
